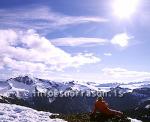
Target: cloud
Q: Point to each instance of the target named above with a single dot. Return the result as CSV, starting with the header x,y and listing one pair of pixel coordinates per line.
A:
x,y
107,54
23,65
121,39
41,18
124,74
81,41
27,51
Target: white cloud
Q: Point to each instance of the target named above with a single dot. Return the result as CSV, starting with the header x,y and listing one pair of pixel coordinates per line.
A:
x,y
23,65
41,18
121,74
27,51
80,41
108,54
121,39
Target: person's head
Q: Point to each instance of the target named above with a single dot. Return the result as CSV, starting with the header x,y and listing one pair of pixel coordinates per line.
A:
x,y
100,98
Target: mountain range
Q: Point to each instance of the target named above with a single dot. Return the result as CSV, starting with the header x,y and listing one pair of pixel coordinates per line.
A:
x,y
76,97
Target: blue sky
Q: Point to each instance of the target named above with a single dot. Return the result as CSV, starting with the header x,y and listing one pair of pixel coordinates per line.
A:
x,y
87,40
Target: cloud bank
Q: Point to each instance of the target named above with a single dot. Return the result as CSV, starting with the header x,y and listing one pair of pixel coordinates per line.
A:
x,y
27,51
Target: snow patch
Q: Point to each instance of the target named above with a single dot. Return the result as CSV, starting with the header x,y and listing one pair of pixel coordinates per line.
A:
x,y
15,113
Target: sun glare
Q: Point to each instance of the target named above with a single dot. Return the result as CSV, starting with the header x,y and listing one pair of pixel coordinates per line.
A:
x,y
125,8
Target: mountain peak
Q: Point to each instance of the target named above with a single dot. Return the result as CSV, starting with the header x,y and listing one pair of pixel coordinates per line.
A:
x,y
28,80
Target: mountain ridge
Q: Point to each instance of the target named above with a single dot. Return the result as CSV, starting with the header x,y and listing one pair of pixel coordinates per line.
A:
x,y
21,89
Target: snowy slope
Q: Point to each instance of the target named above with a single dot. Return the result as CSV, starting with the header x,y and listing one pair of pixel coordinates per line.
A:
x,y
15,113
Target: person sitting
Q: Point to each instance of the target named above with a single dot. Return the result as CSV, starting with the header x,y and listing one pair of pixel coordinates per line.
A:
x,y
102,107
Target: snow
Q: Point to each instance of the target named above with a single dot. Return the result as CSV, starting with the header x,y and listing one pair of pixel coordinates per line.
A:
x,y
135,120
147,107
23,88
15,113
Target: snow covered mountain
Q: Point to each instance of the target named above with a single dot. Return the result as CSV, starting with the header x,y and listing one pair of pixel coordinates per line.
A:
x,y
15,113
23,86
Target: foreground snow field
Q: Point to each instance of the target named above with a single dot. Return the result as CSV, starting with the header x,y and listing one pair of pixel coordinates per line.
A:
x,y
15,113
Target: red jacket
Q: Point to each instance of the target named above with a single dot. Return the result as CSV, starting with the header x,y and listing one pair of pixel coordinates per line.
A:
x,y
101,106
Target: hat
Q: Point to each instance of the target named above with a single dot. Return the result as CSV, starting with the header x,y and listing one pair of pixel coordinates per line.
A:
x,y
100,98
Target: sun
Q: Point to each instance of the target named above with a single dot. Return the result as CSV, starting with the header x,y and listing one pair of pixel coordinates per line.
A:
x,y
125,8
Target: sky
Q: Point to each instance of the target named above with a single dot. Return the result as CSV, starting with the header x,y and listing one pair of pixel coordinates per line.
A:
x,y
85,40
